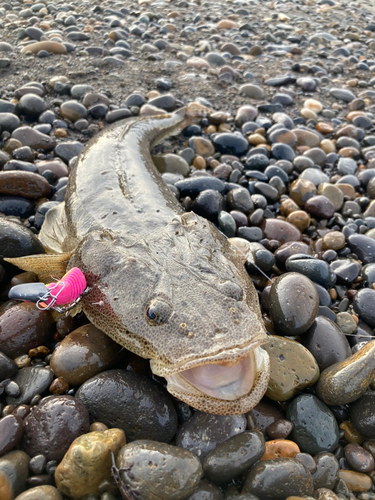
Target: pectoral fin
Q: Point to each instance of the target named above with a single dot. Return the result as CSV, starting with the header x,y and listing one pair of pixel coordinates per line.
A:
x,y
48,267
54,234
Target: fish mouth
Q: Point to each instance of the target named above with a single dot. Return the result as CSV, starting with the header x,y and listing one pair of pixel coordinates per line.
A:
x,y
223,388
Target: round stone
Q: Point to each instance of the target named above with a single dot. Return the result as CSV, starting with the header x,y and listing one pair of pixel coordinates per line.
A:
x,y
44,492
204,432
156,470
53,425
230,144
294,303
23,327
83,353
360,459
31,105
113,398
363,304
11,430
282,231
326,342
87,463
73,110
234,456
320,206
278,479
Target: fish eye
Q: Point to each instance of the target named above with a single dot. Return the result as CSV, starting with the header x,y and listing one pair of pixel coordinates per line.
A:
x,y
231,290
158,311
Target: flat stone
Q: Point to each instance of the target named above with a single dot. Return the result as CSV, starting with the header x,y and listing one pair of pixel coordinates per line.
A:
x,y
54,47
32,381
27,184
31,137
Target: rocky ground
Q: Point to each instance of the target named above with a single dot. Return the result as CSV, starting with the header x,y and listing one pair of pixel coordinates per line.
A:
x,y
284,164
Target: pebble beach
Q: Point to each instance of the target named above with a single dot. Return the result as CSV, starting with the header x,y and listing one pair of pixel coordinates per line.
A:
x,y
282,163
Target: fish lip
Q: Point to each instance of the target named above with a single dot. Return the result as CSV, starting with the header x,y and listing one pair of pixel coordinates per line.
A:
x,y
163,370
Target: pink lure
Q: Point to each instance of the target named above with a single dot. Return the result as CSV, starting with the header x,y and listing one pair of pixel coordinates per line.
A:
x,y
68,289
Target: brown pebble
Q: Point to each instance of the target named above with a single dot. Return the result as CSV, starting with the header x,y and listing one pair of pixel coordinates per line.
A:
x,y
8,410
61,132
324,128
351,433
360,459
300,219
59,386
287,206
355,481
39,351
276,229
280,429
22,183
199,162
334,240
98,427
54,47
280,448
301,190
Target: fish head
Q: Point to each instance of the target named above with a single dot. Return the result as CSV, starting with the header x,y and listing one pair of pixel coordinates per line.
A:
x,y
182,299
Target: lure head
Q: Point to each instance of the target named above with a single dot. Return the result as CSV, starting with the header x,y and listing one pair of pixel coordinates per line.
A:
x,y
184,300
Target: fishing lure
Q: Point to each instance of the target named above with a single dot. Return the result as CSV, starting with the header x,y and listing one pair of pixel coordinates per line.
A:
x,y
60,296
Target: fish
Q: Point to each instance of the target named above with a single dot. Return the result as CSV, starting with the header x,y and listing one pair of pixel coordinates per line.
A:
x,y
164,283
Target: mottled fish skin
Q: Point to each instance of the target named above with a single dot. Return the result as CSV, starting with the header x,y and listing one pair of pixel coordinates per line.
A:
x,y
139,250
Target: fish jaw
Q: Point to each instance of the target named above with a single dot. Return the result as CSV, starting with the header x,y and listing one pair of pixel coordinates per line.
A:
x,y
222,388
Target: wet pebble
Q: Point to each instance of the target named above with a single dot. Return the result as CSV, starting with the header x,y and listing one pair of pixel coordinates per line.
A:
x,y
326,342
294,303
204,432
362,415
360,459
234,456
327,470
83,353
315,427
113,398
279,478
87,463
14,470
11,430
52,426
23,327
292,368
363,304
158,470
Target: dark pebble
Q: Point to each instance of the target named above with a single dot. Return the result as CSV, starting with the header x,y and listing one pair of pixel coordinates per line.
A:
x,y
315,427
231,144
206,491
320,206
203,432
32,381
363,247
278,479
194,185
327,471
234,456
360,459
53,425
8,367
208,204
113,397
11,431
68,150
17,206
326,342
364,305
32,105
155,471
315,269
23,327
294,303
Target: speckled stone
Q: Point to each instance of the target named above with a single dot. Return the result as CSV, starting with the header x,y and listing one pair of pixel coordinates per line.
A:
x,y
280,448
356,481
87,463
157,470
292,368
327,470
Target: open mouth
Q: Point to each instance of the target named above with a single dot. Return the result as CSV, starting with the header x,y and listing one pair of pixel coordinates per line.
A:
x,y
227,381
223,387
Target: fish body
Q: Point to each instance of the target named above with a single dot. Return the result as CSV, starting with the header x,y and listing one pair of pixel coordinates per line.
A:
x,y
165,284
